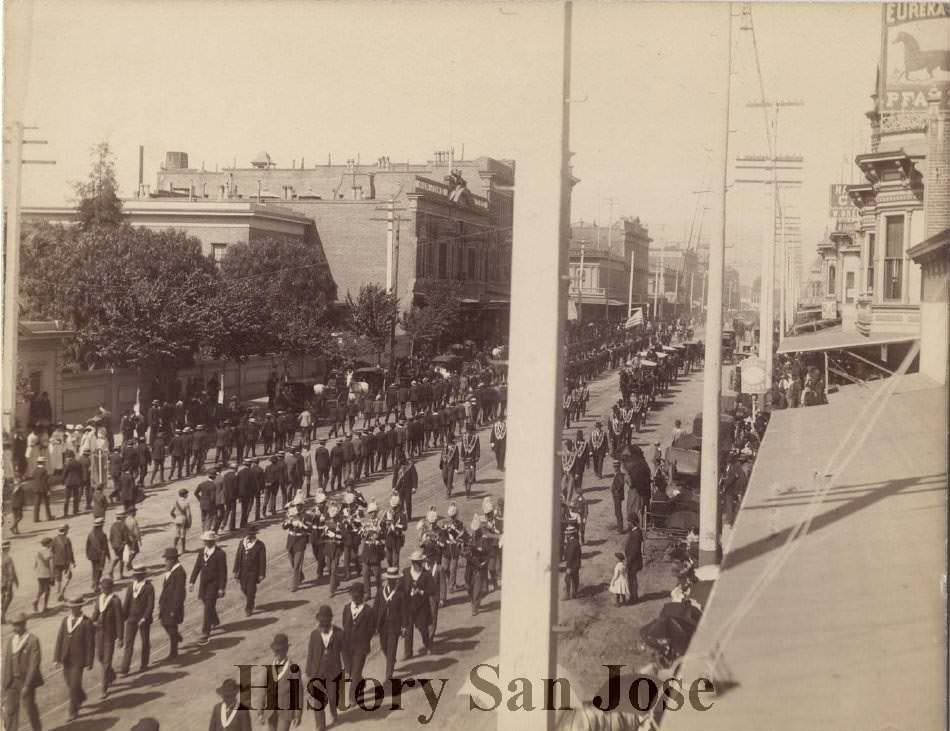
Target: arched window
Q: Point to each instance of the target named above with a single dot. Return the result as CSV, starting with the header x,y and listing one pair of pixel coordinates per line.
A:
x,y
832,275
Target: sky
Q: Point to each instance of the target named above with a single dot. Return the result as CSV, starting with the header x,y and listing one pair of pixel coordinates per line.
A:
x,y
224,80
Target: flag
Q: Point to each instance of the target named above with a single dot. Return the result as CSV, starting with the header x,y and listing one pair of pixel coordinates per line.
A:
x,y
635,319
221,389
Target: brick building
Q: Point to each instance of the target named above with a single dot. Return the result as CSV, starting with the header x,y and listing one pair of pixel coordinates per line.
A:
x,y
602,287
453,221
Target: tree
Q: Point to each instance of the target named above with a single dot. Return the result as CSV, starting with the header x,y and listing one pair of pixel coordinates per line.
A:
x,y
274,294
136,297
99,203
372,315
436,315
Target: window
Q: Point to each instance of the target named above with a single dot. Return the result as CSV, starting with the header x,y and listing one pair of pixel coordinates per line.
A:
x,y
832,275
443,260
217,252
893,258
870,284
849,287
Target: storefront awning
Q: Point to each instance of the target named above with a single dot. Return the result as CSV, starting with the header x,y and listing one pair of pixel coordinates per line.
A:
x,y
836,339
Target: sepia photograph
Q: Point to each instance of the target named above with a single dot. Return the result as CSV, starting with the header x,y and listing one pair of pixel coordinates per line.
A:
x,y
531,365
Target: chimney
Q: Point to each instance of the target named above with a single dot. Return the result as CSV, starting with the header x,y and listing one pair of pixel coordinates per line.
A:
x,y
141,165
372,185
937,180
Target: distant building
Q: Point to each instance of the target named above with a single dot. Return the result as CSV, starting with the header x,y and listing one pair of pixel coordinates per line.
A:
x,y
601,290
453,220
676,282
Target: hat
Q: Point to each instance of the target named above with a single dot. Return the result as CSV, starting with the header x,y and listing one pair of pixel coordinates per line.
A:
x,y
41,460
476,523
417,556
5,544
392,573
209,535
228,687
487,505
394,501
146,724
452,510
46,541
322,441
252,530
280,640
349,498
325,612
106,581
139,571
98,521
372,508
432,516
170,553
619,556
357,589
320,498
18,617
597,423
64,528
74,602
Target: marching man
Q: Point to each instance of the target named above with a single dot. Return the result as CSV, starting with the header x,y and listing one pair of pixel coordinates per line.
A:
x,y
449,464
598,448
171,600
498,440
250,567
211,567
471,452
138,607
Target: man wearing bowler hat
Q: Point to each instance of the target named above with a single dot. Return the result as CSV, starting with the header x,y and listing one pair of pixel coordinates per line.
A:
x,y
138,608
21,675
391,617
359,626
109,621
276,706
229,714
325,663
171,600
75,652
250,567
211,567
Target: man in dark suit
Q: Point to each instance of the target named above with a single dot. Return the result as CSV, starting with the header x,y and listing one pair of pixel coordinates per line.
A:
x,y
229,714
325,663
277,702
171,601
391,617
359,626
75,651
138,608
212,568
419,588
21,675
405,481
250,567
336,466
633,554
257,475
321,464
245,490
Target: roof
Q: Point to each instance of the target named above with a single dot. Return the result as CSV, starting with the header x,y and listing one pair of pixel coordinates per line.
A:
x,y
855,617
933,244
836,339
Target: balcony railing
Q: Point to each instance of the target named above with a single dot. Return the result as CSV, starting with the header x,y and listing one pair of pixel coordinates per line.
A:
x,y
427,185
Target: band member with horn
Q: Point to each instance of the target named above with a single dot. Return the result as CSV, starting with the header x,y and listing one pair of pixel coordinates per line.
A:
x,y
455,539
498,441
476,562
394,524
333,529
493,533
371,548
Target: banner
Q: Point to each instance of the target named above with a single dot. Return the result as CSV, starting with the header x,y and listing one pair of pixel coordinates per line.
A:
x,y
840,206
915,56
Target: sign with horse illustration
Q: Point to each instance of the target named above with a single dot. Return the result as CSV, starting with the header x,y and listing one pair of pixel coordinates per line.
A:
x,y
915,56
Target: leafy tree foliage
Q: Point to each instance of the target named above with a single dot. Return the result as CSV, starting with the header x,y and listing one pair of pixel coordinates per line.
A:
x,y
99,203
372,315
274,294
437,315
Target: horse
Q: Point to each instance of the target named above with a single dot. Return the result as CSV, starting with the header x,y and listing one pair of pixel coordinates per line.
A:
x,y
915,59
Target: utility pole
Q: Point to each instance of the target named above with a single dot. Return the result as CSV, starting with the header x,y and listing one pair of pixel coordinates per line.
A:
x,y
656,287
527,645
393,221
11,304
580,288
709,549
610,221
630,287
691,277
